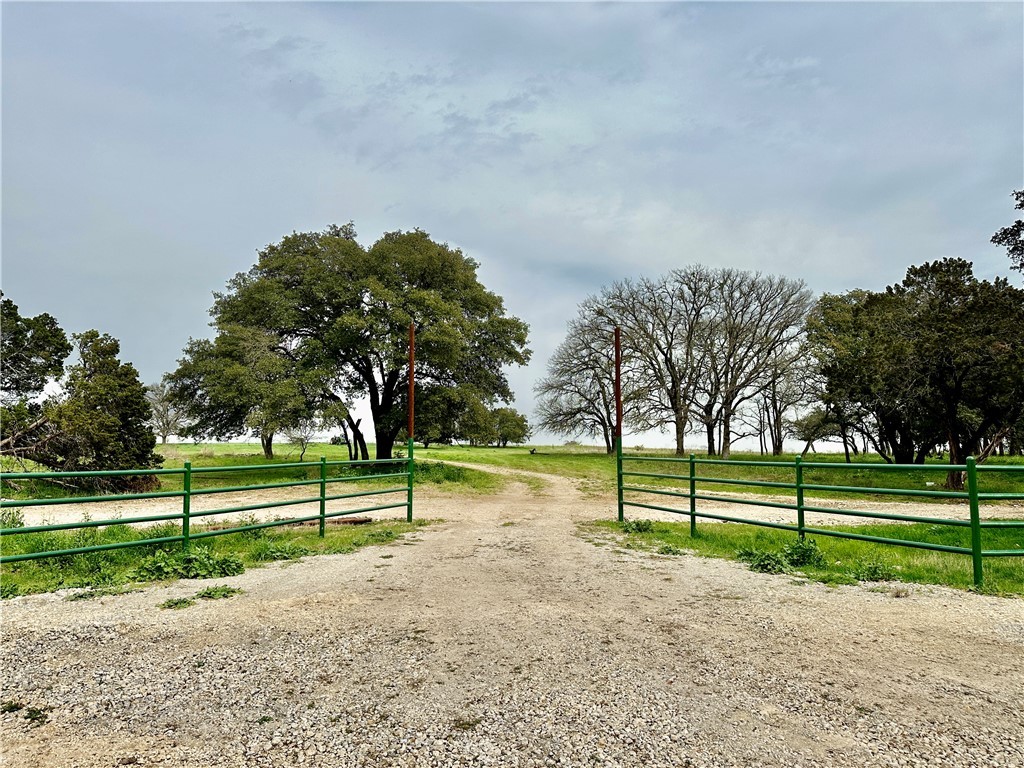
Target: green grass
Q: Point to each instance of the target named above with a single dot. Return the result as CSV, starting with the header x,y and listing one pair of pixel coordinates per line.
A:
x,y
589,464
597,467
843,561
109,571
225,455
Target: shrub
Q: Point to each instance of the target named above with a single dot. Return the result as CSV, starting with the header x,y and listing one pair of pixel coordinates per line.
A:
x,y
12,517
176,603
638,526
769,562
253,533
198,563
803,552
218,593
746,554
874,571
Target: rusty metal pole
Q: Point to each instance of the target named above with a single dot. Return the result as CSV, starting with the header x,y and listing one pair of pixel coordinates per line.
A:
x,y
412,414
618,418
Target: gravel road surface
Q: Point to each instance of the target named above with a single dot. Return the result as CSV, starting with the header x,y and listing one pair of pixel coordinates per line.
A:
x,y
501,637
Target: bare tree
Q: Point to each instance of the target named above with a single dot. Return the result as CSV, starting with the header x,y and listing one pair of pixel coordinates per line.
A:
x,y
700,343
665,329
785,388
301,433
756,317
577,397
167,419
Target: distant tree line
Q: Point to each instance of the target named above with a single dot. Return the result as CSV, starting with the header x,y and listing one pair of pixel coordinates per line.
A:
x,y
934,363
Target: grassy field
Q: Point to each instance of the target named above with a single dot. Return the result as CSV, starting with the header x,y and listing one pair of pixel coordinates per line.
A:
x,y
588,464
594,465
830,560
117,570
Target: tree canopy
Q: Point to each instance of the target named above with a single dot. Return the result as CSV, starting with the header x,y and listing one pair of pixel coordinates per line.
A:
x,y
1012,237
167,419
338,314
33,350
98,421
237,383
937,359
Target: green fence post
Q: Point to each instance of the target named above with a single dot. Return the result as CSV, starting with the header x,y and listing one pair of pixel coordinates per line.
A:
x,y
408,514
972,493
323,495
186,506
618,475
799,496
693,495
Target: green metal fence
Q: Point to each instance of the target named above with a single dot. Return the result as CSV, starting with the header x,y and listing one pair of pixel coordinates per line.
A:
x,y
799,487
190,530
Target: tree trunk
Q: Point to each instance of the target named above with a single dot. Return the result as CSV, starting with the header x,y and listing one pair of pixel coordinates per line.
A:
x,y
710,426
726,434
609,444
357,445
957,455
680,434
163,439
267,441
777,438
385,439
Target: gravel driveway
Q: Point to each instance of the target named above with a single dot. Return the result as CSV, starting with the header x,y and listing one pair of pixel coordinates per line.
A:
x,y
500,637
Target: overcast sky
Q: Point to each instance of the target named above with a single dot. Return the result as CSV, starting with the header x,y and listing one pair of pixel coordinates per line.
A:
x,y
150,150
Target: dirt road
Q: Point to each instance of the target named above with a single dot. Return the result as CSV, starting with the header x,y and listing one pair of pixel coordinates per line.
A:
x,y
501,637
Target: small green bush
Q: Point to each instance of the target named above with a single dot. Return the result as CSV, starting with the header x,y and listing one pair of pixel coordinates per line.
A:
x,y
268,550
803,552
670,549
198,563
218,593
874,571
769,562
254,534
746,554
176,603
638,526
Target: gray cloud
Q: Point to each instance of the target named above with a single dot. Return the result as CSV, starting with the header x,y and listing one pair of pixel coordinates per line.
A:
x,y
150,150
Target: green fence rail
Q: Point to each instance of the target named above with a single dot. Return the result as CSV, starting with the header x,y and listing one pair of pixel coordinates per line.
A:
x,y
799,487
188,515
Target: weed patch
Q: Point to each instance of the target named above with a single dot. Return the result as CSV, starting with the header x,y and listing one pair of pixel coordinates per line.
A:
x,y
37,716
803,552
197,563
832,560
176,603
111,572
769,562
638,526
218,593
